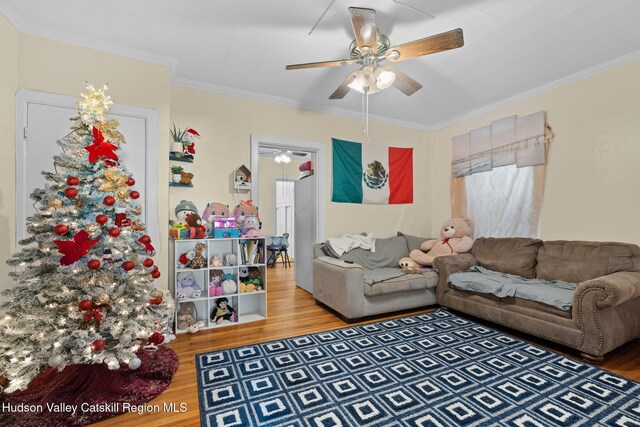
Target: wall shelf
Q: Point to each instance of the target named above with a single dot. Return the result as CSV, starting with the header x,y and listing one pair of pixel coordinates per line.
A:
x,y
179,158
178,184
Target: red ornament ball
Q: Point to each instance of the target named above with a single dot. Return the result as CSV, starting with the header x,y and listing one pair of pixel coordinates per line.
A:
x,y
60,229
114,232
85,305
155,301
144,239
128,265
94,264
131,182
134,195
79,202
102,219
109,200
71,192
147,262
73,180
97,346
155,274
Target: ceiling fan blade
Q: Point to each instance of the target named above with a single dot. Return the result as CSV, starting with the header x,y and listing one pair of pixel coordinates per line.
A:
x,y
426,46
403,82
344,88
364,27
336,63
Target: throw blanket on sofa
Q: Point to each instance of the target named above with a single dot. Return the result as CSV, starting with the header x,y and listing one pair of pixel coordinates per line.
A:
x,y
339,245
479,279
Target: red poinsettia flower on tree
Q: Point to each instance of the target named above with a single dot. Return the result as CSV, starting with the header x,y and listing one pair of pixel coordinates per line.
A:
x,y
100,147
74,249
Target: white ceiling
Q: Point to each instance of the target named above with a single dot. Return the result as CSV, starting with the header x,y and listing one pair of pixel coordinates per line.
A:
x,y
513,48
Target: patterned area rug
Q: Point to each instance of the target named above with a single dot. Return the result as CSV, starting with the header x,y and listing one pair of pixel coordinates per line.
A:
x,y
433,369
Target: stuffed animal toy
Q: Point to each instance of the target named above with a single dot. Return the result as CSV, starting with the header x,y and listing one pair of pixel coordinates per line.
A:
x,y
195,327
186,286
216,261
183,210
254,278
187,315
244,287
198,260
186,177
223,313
243,210
408,266
250,226
194,221
215,210
215,287
229,284
455,239
243,273
230,259
185,259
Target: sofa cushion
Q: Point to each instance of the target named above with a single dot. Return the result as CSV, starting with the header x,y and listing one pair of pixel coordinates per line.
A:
x,y
408,282
513,255
388,252
414,242
576,261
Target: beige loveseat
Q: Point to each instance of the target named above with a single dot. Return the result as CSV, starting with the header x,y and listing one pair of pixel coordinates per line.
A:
x,y
341,283
605,308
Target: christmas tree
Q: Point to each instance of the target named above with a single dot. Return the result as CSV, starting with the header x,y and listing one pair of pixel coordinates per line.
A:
x,y
85,291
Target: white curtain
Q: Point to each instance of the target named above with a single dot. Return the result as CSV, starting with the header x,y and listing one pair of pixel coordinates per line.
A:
x,y
285,209
501,202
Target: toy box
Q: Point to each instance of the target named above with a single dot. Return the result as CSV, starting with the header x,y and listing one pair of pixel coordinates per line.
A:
x,y
179,232
224,222
219,233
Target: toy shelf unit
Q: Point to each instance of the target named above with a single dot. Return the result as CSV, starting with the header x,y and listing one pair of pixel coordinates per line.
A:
x,y
218,282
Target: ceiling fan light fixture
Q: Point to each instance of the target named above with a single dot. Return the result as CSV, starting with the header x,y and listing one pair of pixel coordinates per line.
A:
x,y
283,157
384,77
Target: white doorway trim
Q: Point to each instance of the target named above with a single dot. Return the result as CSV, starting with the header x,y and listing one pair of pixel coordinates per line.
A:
x,y
316,148
26,96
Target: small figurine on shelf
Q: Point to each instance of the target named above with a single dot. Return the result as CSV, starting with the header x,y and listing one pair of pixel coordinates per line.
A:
x,y
189,143
187,287
223,313
215,287
186,178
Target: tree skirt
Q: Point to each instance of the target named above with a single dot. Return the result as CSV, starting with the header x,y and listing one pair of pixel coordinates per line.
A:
x,y
94,391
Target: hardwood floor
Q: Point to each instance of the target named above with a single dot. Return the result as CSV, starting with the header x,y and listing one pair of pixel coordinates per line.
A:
x,y
291,312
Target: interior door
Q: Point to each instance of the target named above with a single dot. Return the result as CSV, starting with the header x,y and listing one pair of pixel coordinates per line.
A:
x,y
305,235
45,119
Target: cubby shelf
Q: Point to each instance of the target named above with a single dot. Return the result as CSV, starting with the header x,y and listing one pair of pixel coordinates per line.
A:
x,y
237,256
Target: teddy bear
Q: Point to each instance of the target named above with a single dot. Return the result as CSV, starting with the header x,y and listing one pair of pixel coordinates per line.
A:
x,y
186,177
195,223
455,239
198,260
186,286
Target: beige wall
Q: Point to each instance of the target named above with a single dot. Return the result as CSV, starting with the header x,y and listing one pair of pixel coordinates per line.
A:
x,y
593,175
269,172
8,87
50,66
226,124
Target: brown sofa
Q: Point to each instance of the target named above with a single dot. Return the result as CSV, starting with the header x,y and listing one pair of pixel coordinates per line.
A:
x,y
605,310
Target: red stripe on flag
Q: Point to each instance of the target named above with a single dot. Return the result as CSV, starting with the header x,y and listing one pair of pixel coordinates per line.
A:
x,y
400,175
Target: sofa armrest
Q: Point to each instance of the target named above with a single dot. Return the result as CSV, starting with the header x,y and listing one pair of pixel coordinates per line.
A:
x,y
447,265
339,285
610,290
338,262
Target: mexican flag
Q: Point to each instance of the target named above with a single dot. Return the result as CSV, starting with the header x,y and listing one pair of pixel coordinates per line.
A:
x,y
365,173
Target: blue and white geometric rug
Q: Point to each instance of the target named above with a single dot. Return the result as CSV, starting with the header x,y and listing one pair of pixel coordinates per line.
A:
x,y
433,369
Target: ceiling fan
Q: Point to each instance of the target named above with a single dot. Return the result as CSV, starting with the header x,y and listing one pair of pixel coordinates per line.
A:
x,y
371,49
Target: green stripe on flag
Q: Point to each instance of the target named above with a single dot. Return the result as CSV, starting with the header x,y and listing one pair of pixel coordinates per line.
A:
x,y
347,171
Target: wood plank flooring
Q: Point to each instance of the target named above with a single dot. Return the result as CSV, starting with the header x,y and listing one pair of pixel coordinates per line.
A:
x,y
291,312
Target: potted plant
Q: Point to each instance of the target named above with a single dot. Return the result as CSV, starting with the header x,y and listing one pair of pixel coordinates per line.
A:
x,y
178,139
176,173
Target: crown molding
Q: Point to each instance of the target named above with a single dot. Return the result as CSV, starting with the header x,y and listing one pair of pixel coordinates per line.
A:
x,y
63,36
223,90
580,75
